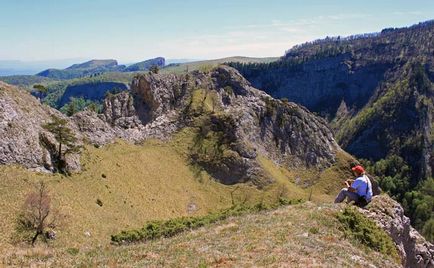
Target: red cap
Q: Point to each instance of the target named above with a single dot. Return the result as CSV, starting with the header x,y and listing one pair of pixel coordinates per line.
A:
x,y
359,169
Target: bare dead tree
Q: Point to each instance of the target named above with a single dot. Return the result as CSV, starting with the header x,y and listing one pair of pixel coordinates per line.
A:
x,y
37,213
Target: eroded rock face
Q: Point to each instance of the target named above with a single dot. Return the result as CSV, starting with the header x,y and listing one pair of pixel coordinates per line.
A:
x,y
415,251
285,132
23,139
155,95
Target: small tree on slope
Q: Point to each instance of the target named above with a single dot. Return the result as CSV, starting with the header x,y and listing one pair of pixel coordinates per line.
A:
x,y
65,137
41,90
37,214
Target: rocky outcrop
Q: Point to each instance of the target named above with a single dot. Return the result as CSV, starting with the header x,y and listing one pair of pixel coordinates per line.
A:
x,y
285,132
415,251
239,121
155,95
23,139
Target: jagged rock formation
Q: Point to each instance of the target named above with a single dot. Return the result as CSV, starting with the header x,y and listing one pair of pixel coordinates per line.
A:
x,y
23,139
237,119
415,251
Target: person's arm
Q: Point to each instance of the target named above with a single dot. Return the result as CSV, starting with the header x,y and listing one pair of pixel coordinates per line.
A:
x,y
348,183
354,186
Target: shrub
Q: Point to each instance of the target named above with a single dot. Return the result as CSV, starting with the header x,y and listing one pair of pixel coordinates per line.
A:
x,y
37,215
167,228
366,232
428,230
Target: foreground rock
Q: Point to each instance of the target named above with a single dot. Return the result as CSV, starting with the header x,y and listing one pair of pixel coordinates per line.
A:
x,y
415,251
23,139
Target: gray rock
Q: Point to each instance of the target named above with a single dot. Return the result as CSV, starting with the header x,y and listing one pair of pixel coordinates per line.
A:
x,y
415,251
24,141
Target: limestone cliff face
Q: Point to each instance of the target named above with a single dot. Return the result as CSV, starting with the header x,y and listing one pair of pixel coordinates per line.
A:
x,y
415,251
248,122
23,139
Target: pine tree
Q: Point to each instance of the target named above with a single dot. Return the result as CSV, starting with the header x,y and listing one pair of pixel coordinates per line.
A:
x,y
40,89
64,136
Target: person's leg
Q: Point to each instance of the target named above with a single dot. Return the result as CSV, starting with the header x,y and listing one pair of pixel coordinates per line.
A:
x,y
351,196
341,196
344,193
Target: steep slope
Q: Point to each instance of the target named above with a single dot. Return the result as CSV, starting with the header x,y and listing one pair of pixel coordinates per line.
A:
x,y
91,91
323,73
398,120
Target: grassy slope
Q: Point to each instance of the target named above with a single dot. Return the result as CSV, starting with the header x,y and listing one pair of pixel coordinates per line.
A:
x,y
303,235
143,182
208,64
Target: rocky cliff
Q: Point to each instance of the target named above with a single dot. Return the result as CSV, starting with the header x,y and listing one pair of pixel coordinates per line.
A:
x,y
415,251
23,139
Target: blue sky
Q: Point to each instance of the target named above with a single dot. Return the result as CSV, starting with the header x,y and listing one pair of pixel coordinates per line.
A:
x,y
132,30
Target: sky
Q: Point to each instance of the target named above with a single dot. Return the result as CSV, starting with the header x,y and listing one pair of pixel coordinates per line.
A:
x,y
133,30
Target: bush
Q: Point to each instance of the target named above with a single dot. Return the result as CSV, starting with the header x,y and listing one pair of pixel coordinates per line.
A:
x,y
366,232
428,230
168,228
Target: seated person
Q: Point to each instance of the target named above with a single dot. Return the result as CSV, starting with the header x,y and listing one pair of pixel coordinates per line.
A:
x,y
360,190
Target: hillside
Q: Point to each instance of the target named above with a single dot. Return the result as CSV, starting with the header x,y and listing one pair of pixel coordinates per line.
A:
x,y
296,236
376,91
186,146
175,173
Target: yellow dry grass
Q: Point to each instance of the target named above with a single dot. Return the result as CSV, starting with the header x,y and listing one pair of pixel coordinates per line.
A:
x,y
137,183
305,235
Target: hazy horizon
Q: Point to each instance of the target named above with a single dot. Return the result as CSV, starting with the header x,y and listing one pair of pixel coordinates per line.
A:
x,y
133,30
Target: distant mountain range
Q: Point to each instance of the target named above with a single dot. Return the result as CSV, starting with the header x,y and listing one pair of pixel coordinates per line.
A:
x,y
94,67
19,67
